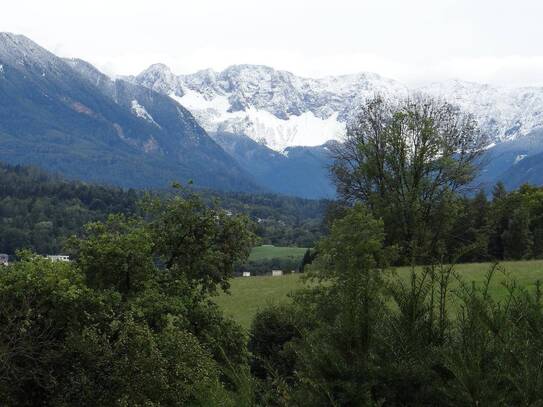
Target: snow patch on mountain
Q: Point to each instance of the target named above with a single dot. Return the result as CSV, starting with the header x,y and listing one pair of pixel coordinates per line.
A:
x,y
275,108
303,130
140,112
503,113
276,133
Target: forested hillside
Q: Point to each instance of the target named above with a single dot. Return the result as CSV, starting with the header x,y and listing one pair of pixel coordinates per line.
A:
x,y
39,211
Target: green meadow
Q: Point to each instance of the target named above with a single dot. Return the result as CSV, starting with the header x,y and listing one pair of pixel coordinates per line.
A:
x,y
249,294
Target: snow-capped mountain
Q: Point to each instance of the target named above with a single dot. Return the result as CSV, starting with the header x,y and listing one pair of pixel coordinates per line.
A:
x,y
280,109
275,108
266,129
67,117
504,113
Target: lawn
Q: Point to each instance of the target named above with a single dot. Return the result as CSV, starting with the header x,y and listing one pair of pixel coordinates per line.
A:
x,y
266,252
248,294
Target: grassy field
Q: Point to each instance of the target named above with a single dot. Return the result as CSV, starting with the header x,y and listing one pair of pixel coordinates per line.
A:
x,y
266,252
248,294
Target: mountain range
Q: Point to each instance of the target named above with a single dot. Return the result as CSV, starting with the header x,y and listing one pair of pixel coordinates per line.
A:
x,y
67,117
248,127
280,109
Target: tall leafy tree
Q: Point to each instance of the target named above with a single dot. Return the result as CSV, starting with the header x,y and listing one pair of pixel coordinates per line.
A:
x,y
405,160
336,358
199,243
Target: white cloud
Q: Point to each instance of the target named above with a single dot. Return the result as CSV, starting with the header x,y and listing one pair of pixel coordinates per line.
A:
x,y
418,40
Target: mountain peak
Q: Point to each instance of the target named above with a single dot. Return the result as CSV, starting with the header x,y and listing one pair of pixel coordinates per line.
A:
x,y
280,109
11,43
249,67
158,67
23,54
160,78
19,39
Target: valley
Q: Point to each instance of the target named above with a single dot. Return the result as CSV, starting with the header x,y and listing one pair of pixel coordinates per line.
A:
x,y
281,204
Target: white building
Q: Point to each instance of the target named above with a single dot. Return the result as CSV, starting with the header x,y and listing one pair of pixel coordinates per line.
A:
x,y
277,273
4,259
58,257
246,274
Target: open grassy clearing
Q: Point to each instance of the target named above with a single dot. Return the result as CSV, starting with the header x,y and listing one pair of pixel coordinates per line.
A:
x,y
248,294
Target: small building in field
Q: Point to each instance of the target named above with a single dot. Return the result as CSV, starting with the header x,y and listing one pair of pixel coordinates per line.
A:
x,y
4,259
277,273
58,257
246,274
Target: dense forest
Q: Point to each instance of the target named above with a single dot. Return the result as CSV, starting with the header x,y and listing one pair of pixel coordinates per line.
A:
x,y
509,226
39,211
482,226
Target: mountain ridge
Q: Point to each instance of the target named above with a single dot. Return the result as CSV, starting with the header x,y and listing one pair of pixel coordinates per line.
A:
x,y
237,99
67,117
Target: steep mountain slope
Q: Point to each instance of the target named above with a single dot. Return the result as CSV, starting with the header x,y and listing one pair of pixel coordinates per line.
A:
x,y
298,171
514,162
69,118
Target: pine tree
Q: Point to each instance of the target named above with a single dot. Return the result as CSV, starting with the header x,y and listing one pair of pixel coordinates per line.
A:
x,y
308,258
499,191
518,239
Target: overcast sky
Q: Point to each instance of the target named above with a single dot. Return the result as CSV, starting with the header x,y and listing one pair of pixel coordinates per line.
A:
x,y
498,41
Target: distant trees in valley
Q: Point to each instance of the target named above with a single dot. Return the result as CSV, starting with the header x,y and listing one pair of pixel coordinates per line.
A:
x,y
39,211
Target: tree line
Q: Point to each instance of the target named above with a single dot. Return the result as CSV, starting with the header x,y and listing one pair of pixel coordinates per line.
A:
x,y
509,226
39,211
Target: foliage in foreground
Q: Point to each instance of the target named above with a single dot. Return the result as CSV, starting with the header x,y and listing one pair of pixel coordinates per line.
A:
x,y
359,337
129,323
